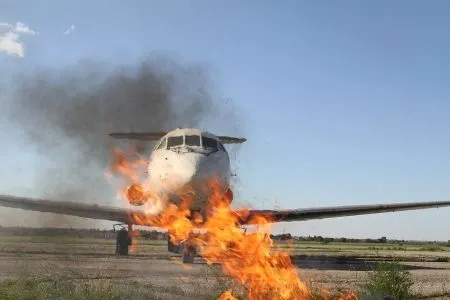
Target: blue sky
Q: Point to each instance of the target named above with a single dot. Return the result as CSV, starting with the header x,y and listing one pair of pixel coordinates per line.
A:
x,y
342,103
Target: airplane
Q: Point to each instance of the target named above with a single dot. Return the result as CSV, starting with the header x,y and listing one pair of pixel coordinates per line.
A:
x,y
188,157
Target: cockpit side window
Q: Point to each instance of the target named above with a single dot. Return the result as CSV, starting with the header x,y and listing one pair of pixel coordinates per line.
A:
x,y
192,140
174,141
221,147
209,143
162,144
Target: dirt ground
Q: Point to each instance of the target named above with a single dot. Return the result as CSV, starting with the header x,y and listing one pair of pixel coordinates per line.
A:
x,y
93,259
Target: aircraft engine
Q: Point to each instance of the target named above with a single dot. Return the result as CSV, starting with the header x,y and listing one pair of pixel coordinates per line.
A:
x,y
136,194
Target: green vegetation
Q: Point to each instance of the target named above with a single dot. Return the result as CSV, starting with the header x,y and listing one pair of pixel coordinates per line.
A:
x,y
388,281
432,248
29,288
74,247
65,287
64,237
68,288
339,246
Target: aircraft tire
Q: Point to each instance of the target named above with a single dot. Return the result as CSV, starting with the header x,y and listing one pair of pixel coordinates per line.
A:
x,y
172,247
188,253
123,241
188,257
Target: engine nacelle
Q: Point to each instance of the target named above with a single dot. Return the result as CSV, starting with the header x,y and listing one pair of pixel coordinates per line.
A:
x,y
136,194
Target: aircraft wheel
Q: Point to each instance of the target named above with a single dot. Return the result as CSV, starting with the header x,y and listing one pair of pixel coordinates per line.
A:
x,y
123,241
188,252
172,247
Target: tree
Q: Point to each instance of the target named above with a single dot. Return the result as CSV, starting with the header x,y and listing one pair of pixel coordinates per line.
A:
x,y
383,240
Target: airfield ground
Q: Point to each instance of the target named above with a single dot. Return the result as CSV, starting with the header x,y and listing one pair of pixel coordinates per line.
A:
x,y
154,272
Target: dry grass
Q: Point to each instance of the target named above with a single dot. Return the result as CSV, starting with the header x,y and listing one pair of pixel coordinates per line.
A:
x,y
67,287
78,268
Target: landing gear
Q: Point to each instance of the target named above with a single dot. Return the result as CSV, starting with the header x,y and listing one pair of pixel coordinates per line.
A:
x,y
171,246
187,248
188,251
123,240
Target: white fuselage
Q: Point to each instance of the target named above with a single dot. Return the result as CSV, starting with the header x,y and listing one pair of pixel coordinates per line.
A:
x,y
188,158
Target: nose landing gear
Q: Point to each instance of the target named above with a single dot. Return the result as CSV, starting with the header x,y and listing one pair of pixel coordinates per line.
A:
x,y
186,248
188,251
171,246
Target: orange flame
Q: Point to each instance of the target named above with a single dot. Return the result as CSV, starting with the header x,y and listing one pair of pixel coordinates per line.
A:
x,y
131,168
250,259
227,296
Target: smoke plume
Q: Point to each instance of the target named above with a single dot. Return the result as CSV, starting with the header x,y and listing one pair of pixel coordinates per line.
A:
x,y
67,113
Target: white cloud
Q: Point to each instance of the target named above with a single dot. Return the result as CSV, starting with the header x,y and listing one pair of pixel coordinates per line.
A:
x,y
11,45
10,38
69,30
22,28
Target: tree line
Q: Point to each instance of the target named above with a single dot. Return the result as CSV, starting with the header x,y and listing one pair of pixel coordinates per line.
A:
x,y
158,235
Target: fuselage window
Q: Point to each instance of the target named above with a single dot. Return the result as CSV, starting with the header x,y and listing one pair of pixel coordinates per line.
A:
x,y
209,143
162,144
174,141
192,140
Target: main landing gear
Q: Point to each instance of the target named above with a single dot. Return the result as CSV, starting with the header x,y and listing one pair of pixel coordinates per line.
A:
x,y
188,251
123,239
186,248
171,246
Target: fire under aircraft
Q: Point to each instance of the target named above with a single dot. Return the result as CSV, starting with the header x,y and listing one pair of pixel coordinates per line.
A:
x,y
188,157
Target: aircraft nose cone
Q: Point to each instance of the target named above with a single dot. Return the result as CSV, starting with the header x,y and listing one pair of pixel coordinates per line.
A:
x,y
191,169
196,168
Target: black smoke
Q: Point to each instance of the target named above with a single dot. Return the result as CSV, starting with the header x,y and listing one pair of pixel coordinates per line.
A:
x,y
66,114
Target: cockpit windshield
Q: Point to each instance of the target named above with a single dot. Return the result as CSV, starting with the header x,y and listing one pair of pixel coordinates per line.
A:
x,y
174,141
162,144
192,140
209,143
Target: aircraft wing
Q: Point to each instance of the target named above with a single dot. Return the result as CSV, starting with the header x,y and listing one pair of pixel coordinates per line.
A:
x,y
231,139
133,216
90,211
144,136
250,217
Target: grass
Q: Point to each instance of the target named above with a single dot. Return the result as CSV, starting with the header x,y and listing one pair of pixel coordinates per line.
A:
x,y
388,281
313,246
52,283
64,287
68,288
74,286
433,248
61,288
62,244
